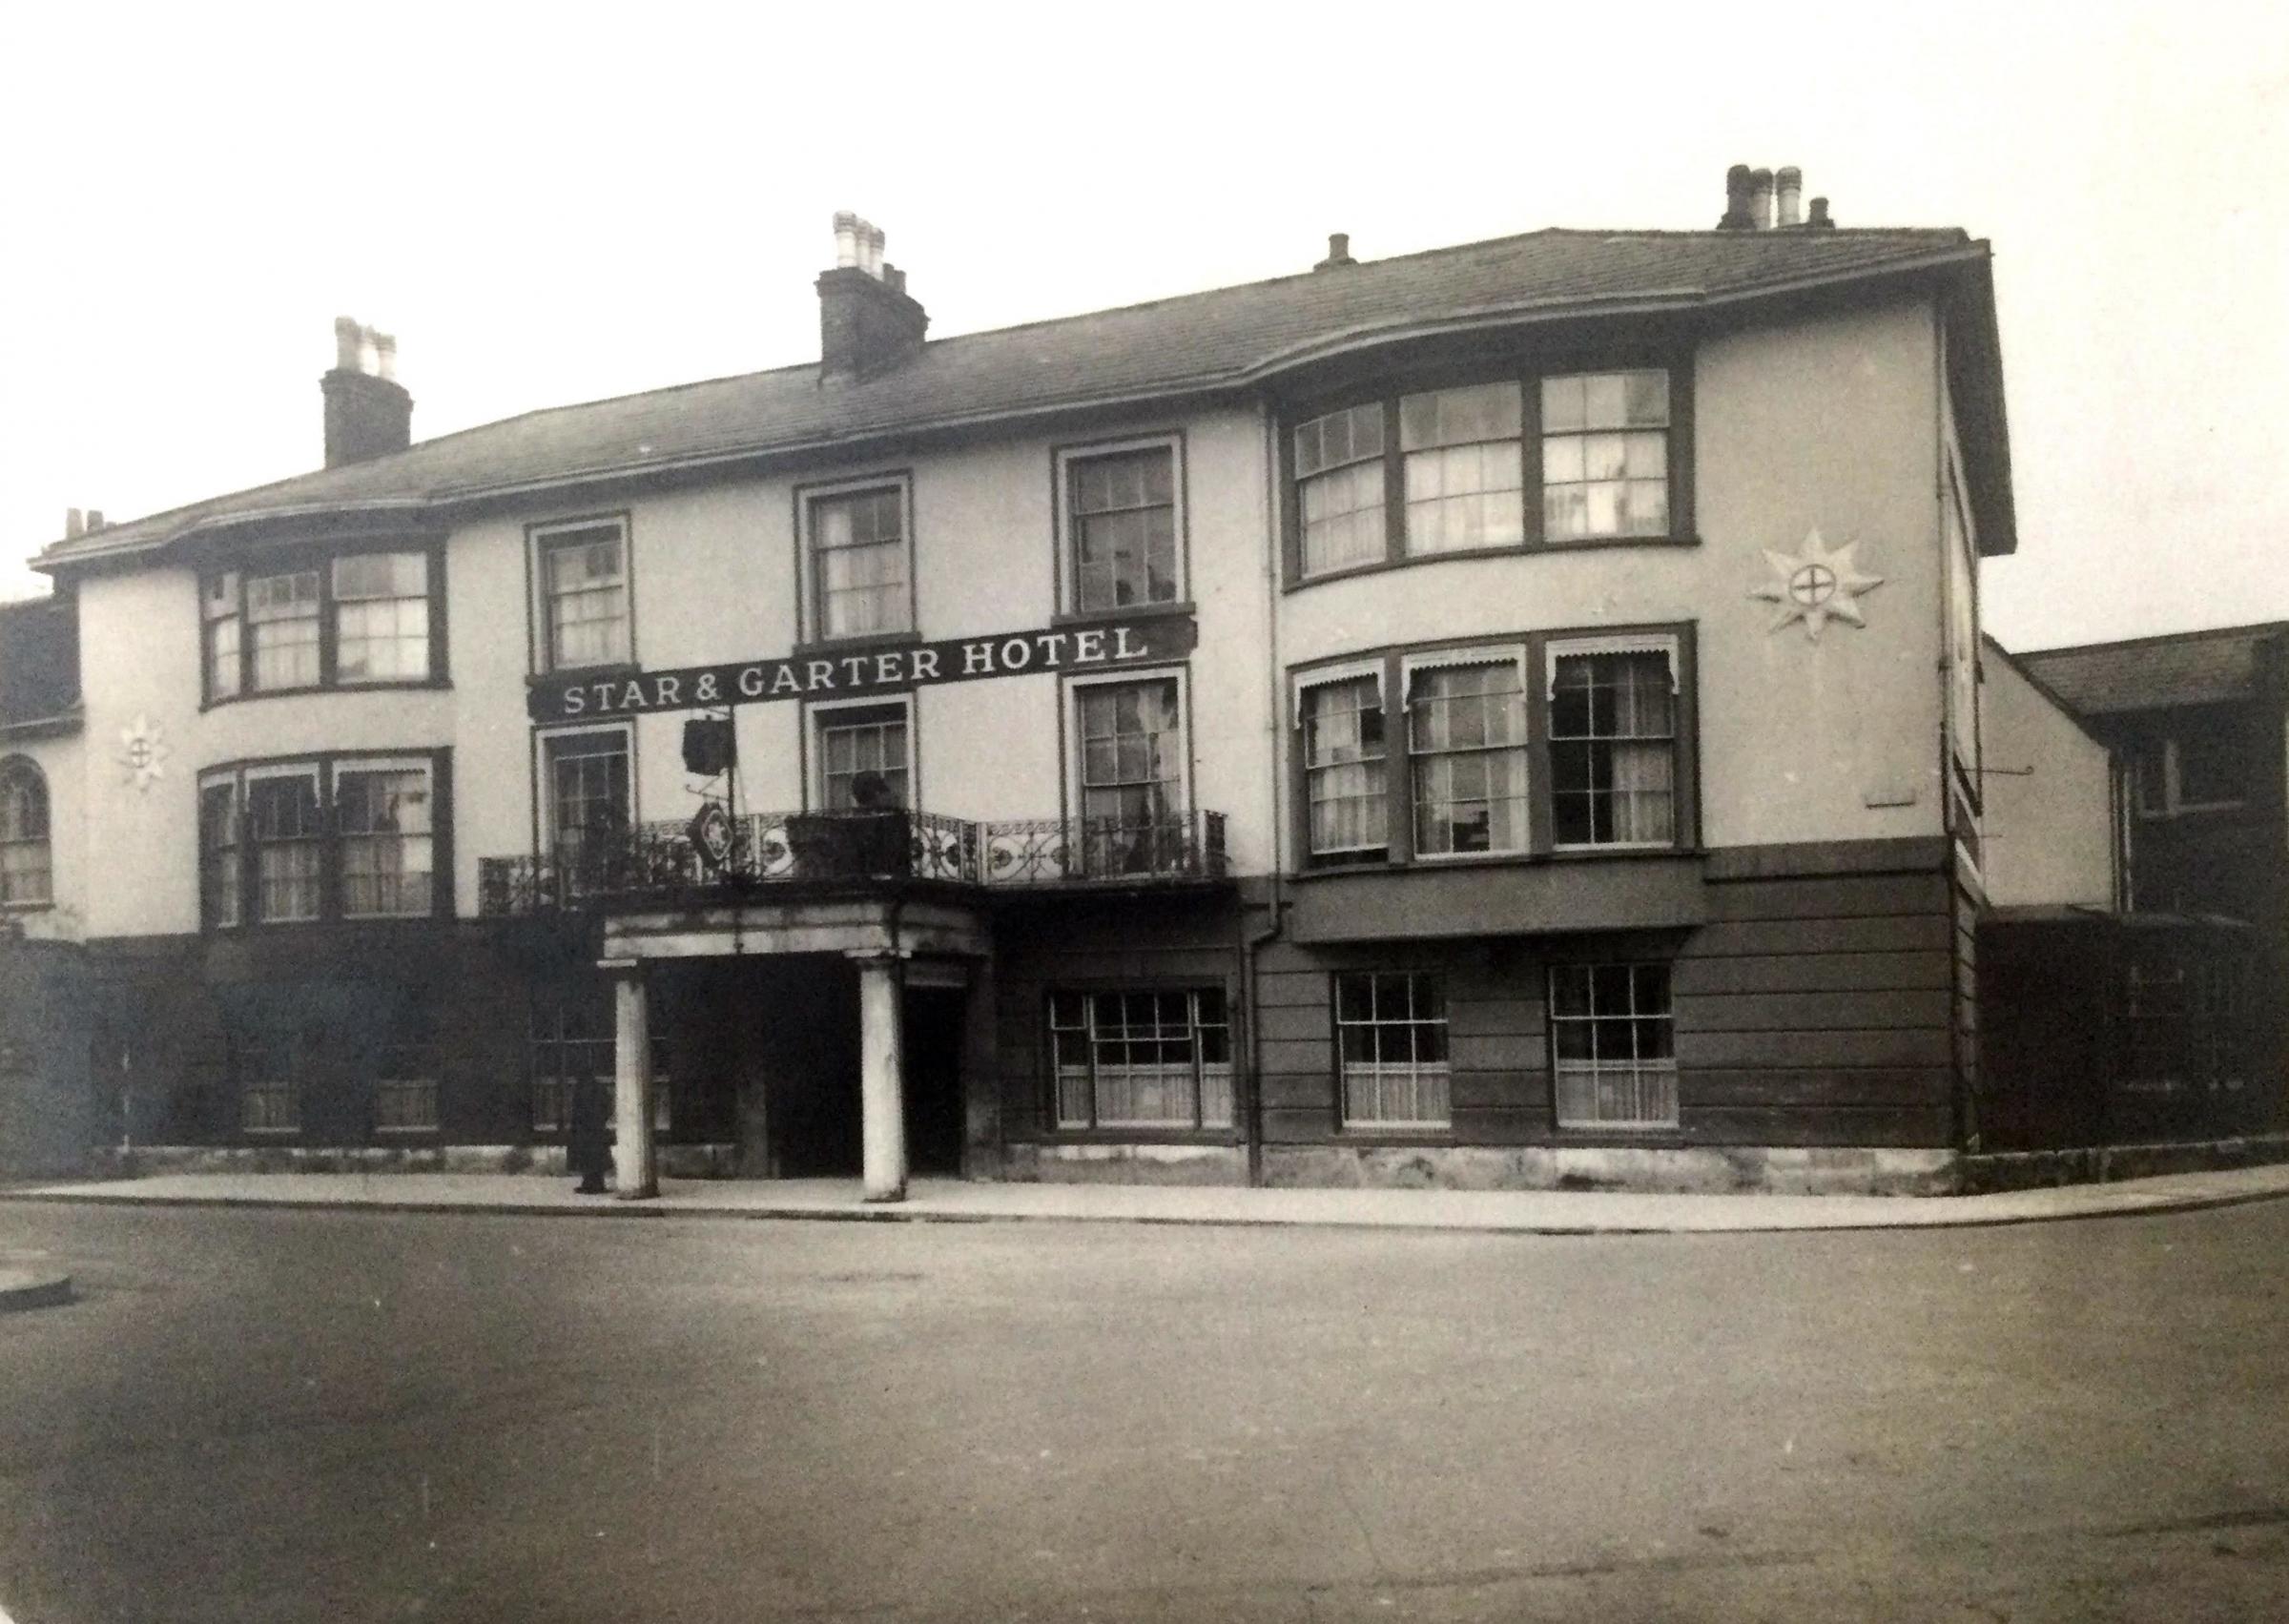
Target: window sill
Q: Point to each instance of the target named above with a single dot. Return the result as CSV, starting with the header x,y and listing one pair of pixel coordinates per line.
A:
x,y
855,643
617,668
1296,582
430,1132
46,905
410,684
1497,860
1173,1134
1175,609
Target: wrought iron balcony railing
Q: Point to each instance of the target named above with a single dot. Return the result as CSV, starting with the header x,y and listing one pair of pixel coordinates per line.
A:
x,y
761,849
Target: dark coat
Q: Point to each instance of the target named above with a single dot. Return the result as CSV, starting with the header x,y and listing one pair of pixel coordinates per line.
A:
x,y
588,1143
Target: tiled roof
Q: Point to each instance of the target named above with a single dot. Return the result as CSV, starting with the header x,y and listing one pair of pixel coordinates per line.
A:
x,y
2147,673
1201,342
39,661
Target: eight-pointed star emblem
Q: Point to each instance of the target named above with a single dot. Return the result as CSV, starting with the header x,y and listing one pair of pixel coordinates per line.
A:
x,y
1815,584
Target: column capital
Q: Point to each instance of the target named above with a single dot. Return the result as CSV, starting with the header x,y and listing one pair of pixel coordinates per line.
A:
x,y
878,954
621,966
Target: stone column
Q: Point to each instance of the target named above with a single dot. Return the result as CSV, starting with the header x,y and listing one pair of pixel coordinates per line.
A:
x,y
883,1074
635,1169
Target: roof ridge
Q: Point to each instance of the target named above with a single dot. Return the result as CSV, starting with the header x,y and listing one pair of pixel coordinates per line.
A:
x,y
2247,628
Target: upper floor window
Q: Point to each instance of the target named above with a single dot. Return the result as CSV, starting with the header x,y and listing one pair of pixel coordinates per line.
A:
x,y
1605,455
585,776
585,617
1131,778
25,870
356,618
1466,741
1123,513
381,617
337,837
2201,769
863,763
1554,743
1550,458
860,582
1613,747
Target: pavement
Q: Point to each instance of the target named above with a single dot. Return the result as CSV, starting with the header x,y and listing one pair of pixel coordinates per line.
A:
x,y
1534,1212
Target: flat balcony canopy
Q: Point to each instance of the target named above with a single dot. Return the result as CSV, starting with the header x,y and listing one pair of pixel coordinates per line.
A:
x,y
719,857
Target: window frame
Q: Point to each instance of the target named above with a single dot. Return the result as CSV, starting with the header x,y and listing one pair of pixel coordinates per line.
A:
x,y
324,766
2164,755
541,538
1669,1126
223,601
1073,789
555,999
545,834
1403,1129
1089,990
820,714
1527,368
811,629
1538,652
1065,462
22,771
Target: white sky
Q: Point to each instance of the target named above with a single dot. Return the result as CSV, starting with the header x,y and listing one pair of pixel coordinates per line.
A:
x,y
553,205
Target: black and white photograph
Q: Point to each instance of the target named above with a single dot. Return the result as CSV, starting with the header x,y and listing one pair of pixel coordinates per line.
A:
x,y
1223,813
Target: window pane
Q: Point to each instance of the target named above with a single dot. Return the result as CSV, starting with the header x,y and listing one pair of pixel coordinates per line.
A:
x,y
1391,1041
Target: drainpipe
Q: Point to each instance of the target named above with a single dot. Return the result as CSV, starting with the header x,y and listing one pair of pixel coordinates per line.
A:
x,y
1251,942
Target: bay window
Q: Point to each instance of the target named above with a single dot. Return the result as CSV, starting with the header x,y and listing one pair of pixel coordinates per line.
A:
x,y
333,837
1552,743
348,619
1613,745
1551,457
1341,720
1466,738
1141,1058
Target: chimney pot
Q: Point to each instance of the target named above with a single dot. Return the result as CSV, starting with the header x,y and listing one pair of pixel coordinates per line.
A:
x,y
1339,251
876,242
1735,216
846,238
74,524
1760,199
1790,184
368,411
1820,213
95,520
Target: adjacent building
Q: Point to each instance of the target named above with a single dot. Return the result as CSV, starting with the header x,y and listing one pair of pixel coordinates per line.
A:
x,y
1508,715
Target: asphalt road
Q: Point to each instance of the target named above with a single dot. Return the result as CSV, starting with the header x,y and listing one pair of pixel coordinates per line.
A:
x,y
275,1415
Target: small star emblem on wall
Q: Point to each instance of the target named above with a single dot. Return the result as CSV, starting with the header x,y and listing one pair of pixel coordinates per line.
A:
x,y
143,752
1815,584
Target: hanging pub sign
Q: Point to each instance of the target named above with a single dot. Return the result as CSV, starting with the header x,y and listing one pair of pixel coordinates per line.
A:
x,y
579,696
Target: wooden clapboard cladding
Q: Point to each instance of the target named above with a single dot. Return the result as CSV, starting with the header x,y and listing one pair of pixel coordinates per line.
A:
x,y
1808,1010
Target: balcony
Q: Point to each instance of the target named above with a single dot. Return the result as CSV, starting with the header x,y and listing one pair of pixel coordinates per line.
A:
x,y
654,862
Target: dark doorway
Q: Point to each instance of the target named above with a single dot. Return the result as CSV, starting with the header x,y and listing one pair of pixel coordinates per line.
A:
x,y
933,1031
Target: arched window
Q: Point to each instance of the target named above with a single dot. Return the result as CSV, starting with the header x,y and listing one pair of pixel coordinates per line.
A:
x,y
24,864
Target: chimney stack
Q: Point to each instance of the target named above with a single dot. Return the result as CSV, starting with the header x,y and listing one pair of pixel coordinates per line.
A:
x,y
1339,251
1760,199
867,323
1735,216
75,523
1790,185
368,411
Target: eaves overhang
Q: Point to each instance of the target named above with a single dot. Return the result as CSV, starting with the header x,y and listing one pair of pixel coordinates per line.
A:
x,y
439,505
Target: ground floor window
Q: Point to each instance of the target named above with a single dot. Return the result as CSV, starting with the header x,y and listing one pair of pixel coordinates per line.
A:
x,y
1613,1038
571,1038
269,1102
1136,1058
2184,1025
1391,1034
405,1080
